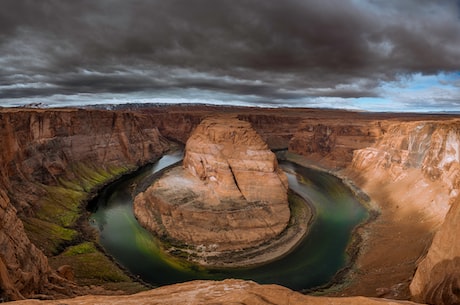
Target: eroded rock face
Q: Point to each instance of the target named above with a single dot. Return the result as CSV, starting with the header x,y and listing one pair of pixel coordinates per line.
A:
x,y
226,292
411,172
229,195
437,280
23,268
419,162
231,157
332,142
42,148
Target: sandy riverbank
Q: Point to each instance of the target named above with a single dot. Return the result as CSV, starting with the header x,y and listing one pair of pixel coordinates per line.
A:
x,y
392,245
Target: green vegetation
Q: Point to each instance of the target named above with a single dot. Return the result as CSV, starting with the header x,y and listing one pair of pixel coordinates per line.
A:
x,y
61,206
88,178
92,267
56,217
83,248
50,236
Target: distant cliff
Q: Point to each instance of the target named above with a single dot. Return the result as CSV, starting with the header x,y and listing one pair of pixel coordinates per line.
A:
x,y
332,142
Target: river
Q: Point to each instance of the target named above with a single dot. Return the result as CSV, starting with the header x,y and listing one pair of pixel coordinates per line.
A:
x,y
313,262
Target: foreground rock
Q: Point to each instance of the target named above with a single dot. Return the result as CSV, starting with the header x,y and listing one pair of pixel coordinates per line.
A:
x,y
225,293
230,194
437,280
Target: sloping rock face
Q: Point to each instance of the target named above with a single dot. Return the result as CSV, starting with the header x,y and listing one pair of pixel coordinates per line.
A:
x,y
411,173
23,268
418,162
437,280
226,292
46,151
232,158
46,146
230,194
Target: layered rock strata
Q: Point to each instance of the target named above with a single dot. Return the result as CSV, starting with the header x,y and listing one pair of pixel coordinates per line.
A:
x,y
418,164
229,195
226,292
332,143
411,174
23,268
42,148
50,162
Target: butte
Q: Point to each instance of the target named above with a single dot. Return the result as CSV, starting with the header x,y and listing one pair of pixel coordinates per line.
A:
x,y
227,201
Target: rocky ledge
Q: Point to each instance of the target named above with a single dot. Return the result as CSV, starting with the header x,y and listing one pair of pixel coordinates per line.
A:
x,y
226,292
229,196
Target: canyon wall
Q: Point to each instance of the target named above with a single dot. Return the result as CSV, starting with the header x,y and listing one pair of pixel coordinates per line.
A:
x,y
412,174
50,163
332,142
437,280
23,268
416,164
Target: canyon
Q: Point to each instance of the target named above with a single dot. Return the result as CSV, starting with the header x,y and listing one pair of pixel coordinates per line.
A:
x,y
52,162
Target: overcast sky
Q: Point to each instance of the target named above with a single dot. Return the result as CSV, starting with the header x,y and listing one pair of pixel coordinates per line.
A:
x,y
390,55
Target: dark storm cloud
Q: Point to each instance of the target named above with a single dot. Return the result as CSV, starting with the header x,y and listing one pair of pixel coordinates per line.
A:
x,y
274,50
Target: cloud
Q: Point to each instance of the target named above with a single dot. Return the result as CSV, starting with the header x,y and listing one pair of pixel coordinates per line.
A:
x,y
258,50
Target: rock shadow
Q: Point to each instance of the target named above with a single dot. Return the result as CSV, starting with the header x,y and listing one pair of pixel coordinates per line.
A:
x,y
444,285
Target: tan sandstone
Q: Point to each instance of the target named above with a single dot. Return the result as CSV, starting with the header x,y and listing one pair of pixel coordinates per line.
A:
x,y
229,195
226,292
411,174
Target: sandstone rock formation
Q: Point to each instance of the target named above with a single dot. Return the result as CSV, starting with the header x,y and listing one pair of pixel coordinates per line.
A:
x,y
230,194
23,268
418,162
333,142
411,175
67,152
231,157
226,292
437,280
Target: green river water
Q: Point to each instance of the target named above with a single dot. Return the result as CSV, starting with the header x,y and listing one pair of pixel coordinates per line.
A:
x,y
312,263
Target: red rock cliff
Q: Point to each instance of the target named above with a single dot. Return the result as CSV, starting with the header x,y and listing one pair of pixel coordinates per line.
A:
x,y
418,162
412,175
332,142
66,150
